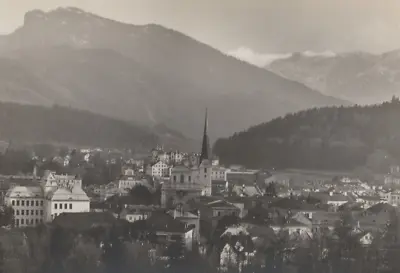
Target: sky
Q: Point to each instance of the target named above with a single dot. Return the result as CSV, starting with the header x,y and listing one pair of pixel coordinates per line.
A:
x,y
252,27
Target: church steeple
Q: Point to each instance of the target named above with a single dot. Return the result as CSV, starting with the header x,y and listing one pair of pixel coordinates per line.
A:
x,y
205,147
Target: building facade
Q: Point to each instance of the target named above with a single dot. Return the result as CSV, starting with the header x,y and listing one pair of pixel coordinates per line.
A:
x,y
158,169
43,201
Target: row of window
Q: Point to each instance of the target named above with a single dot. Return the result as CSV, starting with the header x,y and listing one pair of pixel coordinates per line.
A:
x,y
27,203
60,206
26,212
22,222
182,178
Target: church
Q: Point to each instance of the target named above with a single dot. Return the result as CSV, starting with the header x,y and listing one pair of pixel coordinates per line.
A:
x,y
188,182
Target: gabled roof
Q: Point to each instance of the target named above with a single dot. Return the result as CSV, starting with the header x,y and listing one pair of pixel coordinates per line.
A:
x,y
220,204
381,207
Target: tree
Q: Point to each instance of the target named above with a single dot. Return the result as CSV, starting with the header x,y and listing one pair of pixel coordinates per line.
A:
x,y
61,243
114,252
141,195
271,190
6,216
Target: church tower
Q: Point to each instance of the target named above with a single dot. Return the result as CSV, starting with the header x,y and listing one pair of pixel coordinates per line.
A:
x,y
205,167
205,147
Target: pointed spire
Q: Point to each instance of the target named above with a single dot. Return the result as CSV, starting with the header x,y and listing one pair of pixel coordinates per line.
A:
x,y
205,148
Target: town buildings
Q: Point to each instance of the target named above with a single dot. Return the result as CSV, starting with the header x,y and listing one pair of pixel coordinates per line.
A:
x,y
41,201
187,182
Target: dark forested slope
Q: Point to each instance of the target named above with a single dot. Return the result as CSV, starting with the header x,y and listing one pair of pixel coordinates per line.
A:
x,y
321,138
37,124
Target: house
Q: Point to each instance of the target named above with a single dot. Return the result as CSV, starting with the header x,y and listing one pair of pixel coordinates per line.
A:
x,y
129,182
213,211
392,198
376,217
132,213
392,179
369,201
324,222
167,229
244,204
247,191
219,173
295,228
158,169
190,219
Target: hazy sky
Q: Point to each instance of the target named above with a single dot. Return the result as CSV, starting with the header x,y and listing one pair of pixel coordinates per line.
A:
x,y
264,26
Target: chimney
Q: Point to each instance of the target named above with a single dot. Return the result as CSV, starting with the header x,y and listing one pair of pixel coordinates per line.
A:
x,y
331,193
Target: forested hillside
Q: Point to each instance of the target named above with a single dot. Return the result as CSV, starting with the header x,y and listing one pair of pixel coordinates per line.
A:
x,y
338,138
35,124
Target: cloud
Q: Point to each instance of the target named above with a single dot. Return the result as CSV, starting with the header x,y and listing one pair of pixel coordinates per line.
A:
x,y
264,59
258,59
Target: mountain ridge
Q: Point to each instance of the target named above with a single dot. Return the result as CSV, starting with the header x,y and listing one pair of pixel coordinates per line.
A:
x,y
360,77
328,138
156,75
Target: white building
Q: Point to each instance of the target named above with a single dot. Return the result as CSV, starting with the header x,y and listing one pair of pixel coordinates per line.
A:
x,y
43,201
158,169
219,173
176,157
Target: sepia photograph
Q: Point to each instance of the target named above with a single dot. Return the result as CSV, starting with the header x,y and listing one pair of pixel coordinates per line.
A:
x,y
199,136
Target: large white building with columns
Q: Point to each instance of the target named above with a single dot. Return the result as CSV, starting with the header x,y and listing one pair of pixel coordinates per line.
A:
x,y
41,201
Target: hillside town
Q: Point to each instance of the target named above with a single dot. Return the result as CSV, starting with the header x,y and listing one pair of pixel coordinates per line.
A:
x,y
174,204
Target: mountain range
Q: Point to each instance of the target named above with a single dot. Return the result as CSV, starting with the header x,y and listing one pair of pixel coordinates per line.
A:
x,y
359,77
149,75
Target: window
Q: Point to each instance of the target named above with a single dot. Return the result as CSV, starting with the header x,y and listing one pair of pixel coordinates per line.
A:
x,y
37,203
37,212
27,212
70,206
22,221
65,206
55,205
174,178
182,178
17,222
32,212
219,213
17,202
32,203
22,202
22,212
13,202
37,221
41,203
41,212
205,170
17,212
190,178
31,221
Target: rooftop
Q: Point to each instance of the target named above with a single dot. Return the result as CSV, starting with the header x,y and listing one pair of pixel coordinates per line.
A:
x,y
84,220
